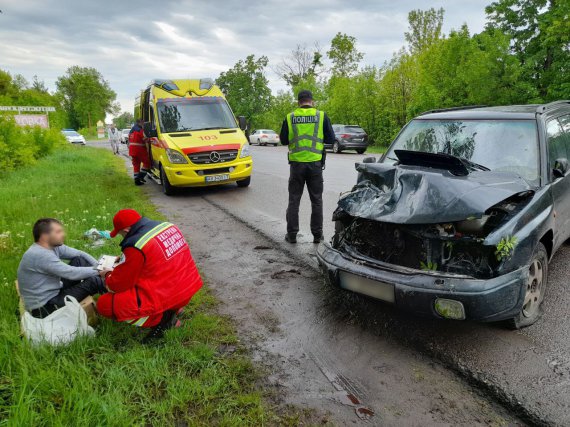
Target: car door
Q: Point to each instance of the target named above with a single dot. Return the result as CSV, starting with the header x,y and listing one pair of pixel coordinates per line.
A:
x,y
558,152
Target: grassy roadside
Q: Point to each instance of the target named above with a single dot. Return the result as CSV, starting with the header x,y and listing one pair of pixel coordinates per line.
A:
x,y
376,149
110,379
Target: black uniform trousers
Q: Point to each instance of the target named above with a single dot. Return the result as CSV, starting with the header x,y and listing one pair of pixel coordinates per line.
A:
x,y
311,174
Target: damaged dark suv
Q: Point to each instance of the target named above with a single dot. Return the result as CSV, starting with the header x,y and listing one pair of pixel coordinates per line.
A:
x,y
461,216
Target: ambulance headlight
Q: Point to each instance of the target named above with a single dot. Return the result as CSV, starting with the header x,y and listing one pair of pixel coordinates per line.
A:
x,y
175,157
245,150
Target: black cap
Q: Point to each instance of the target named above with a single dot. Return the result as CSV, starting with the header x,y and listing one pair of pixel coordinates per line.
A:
x,y
305,95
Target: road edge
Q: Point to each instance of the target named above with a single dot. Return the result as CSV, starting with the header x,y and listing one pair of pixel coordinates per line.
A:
x,y
483,385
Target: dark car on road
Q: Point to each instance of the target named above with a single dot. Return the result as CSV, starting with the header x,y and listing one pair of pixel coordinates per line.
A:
x,y
349,137
460,216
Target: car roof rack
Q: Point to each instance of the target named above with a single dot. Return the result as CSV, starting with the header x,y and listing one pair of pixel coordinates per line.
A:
x,y
441,110
551,105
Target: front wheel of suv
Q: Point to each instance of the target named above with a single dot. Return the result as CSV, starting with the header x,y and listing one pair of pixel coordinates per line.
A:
x,y
531,310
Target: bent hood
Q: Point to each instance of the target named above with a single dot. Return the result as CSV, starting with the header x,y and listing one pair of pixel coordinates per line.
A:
x,y
415,195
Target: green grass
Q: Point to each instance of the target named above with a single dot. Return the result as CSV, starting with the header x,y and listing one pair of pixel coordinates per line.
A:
x,y
111,380
376,149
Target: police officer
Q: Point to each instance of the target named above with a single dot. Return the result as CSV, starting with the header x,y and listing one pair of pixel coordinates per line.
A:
x,y
305,131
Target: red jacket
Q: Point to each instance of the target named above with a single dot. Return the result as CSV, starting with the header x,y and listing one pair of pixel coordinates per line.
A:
x,y
136,140
156,272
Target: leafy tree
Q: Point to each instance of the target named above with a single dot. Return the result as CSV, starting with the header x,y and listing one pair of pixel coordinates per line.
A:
x,y
540,36
39,85
246,87
281,104
425,28
124,120
344,55
86,96
300,64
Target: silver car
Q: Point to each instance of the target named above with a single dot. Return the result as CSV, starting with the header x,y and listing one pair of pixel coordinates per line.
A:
x,y
264,137
73,137
125,136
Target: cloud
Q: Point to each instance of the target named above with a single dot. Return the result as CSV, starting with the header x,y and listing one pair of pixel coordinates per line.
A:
x,y
131,43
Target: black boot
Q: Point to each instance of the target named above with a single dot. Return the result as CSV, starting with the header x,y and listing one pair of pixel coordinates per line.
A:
x,y
318,238
291,237
168,321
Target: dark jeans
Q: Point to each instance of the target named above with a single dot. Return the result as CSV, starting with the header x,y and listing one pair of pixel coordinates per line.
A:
x,y
79,289
311,174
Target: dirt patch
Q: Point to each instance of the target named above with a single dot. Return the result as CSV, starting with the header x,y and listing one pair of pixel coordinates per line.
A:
x,y
314,355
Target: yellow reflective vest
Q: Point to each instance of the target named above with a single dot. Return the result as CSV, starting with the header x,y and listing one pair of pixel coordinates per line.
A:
x,y
306,135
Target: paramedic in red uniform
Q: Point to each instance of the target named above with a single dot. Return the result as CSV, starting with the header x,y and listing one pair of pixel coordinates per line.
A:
x,y
155,277
139,152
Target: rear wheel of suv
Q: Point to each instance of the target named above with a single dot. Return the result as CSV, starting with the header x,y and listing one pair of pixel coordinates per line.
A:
x,y
361,151
336,147
531,310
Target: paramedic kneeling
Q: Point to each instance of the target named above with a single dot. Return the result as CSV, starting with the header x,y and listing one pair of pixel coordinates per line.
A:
x,y
155,277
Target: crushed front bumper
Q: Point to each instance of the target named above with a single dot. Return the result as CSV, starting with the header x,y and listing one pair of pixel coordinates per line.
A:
x,y
494,299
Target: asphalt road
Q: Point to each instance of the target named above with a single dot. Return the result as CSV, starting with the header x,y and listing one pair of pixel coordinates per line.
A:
x,y
529,369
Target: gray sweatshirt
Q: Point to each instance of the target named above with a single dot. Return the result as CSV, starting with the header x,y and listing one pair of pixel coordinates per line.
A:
x,y
41,270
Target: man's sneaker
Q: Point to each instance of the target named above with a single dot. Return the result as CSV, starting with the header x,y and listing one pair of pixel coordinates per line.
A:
x,y
291,237
138,182
168,321
318,238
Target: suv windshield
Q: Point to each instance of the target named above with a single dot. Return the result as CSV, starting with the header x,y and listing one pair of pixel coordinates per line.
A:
x,y
182,114
500,145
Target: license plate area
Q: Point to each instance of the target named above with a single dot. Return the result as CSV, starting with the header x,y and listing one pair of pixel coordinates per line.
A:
x,y
362,285
217,178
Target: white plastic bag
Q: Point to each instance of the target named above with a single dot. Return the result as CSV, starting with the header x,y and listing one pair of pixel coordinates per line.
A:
x,y
60,327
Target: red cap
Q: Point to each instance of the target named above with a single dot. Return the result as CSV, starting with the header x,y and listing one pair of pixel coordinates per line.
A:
x,y
123,219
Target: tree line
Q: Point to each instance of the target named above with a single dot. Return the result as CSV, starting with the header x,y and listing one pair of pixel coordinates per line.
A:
x,y
522,56
82,97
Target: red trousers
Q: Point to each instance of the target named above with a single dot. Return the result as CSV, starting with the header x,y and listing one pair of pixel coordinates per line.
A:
x,y
106,307
139,155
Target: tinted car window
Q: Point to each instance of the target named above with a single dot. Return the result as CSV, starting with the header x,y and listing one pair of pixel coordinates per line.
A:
x,y
354,129
502,145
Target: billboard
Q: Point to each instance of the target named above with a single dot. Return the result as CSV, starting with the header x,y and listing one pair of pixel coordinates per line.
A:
x,y
40,120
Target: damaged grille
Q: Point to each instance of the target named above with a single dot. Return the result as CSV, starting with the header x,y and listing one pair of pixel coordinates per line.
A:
x,y
435,247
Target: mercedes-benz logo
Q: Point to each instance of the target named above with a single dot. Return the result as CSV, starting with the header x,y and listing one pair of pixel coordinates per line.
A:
x,y
215,157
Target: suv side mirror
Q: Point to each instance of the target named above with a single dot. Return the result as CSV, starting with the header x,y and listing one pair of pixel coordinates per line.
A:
x,y
370,159
242,122
560,167
149,131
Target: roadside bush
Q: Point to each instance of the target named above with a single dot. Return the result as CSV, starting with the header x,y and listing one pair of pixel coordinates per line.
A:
x,y
23,146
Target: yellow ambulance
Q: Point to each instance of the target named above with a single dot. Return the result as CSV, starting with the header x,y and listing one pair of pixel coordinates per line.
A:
x,y
195,140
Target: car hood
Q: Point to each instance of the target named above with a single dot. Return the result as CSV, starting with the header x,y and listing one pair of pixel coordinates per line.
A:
x,y
417,195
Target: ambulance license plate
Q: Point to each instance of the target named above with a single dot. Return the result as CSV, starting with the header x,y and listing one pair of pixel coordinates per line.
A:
x,y
218,178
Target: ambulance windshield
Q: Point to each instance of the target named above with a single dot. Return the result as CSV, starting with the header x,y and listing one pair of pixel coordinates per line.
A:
x,y
185,114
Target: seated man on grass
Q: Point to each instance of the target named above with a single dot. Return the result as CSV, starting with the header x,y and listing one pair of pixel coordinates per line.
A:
x,y
155,277
44,279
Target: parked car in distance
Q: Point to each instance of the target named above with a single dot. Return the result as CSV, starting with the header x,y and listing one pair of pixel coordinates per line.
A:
x,y
125,136
349,137
73,136
460,217
264,137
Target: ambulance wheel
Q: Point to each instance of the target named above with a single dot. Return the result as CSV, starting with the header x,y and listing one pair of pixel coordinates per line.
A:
x,y
244,182
167,188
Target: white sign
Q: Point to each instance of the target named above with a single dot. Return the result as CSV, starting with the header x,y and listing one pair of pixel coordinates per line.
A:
x,y
40,120
27,109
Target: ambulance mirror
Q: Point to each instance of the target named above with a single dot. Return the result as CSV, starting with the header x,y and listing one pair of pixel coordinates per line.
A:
x,y
242,122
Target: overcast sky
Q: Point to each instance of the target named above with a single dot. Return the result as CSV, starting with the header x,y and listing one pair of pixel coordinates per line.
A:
x,y
131,43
